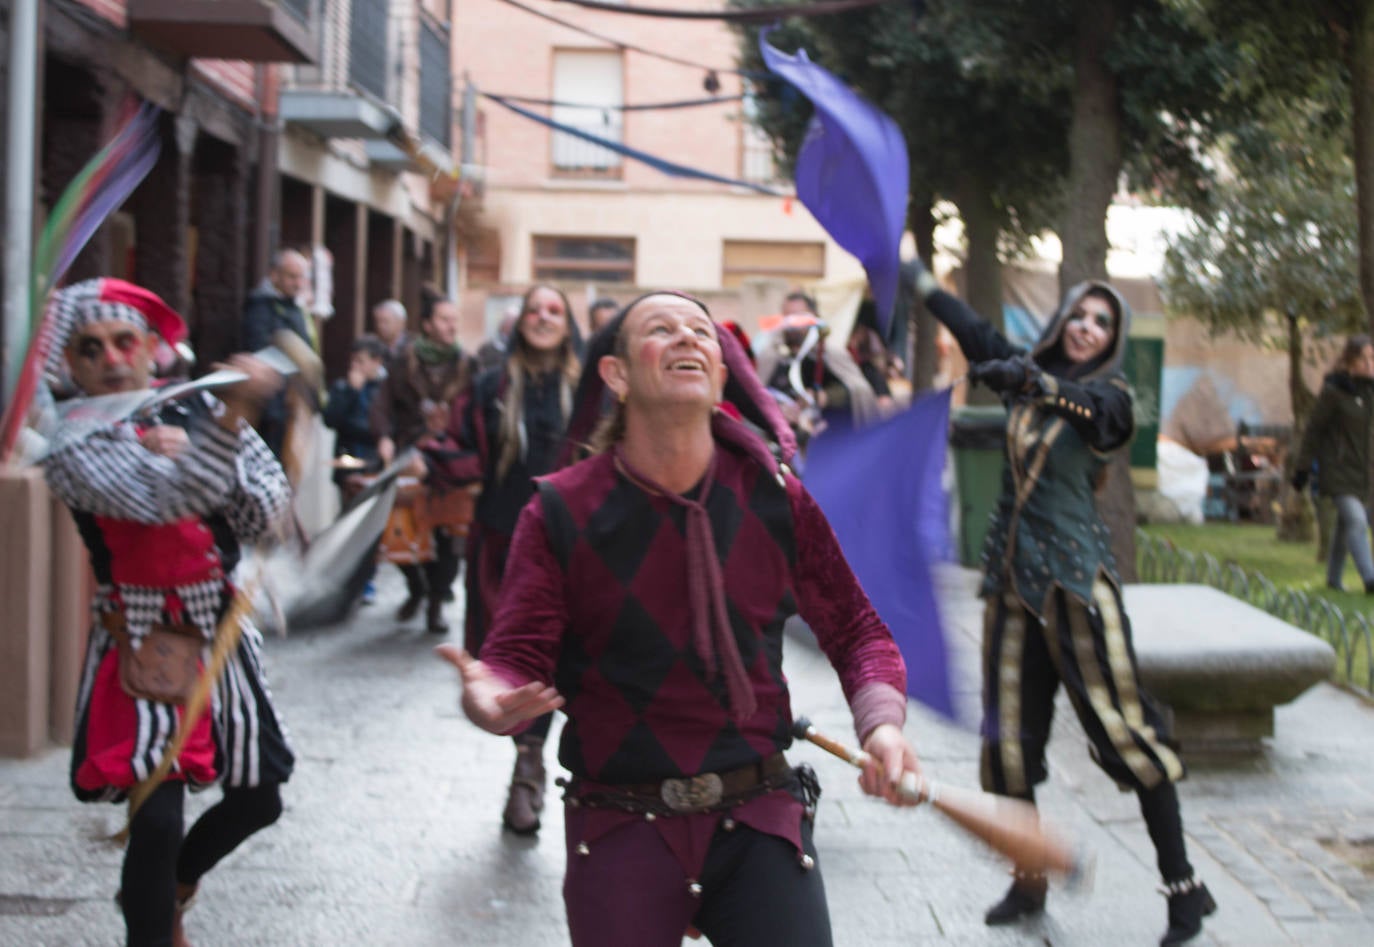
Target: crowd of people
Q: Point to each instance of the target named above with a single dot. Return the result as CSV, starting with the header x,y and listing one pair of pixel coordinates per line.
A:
x,y
635,540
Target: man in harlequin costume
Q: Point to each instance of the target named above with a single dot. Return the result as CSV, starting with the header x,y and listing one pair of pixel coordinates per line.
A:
x,y
645,593
1054,612
163,505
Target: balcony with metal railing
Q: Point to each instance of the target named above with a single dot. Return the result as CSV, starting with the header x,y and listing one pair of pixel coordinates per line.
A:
x,y
367,47
349,95
575,157
436,85
254,30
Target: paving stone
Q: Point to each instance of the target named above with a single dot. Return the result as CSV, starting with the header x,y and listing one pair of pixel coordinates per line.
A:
x,y
391,834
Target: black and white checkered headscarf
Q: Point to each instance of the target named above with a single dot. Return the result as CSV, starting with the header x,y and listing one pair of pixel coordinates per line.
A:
x,y
104,299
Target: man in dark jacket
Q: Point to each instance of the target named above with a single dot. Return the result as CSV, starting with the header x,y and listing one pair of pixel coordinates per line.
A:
x,y
269,308
1337,438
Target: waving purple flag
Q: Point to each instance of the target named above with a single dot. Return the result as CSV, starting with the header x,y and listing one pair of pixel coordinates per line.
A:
x,y
852,172
880,488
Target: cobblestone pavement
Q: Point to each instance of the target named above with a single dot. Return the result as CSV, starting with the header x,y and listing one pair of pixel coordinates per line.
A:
x,y
391,832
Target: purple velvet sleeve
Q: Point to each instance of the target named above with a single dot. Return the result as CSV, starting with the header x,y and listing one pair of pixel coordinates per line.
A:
x,y
531,614
849,631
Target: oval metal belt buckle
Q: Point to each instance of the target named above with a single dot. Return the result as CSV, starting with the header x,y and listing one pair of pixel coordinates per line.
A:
x,y
695,793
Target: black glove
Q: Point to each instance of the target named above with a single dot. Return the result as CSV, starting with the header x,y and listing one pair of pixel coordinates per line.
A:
x,y
1004,375
1300,479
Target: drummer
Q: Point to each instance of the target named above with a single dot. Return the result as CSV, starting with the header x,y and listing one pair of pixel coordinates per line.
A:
x,y
346,411
412,406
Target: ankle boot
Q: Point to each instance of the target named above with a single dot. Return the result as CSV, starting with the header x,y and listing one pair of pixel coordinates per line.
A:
x,y
1025,898
1189,903
410,607
526,798
434,617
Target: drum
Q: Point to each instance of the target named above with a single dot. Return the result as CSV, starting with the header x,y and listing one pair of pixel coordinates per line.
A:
x,y
450,509
408,538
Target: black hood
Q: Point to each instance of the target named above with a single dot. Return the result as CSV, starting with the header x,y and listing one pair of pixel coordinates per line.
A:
x,y
1049,353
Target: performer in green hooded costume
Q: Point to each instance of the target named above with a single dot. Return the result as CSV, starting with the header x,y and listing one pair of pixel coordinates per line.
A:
x,y
1054,612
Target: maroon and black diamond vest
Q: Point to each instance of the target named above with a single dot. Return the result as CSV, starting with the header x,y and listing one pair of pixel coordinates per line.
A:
x,y
641,704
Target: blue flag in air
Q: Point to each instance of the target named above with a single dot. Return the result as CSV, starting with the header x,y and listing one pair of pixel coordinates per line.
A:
x,y
852,172
880,488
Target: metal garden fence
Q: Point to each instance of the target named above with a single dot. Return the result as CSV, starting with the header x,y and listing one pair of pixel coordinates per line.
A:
x,y
1350,633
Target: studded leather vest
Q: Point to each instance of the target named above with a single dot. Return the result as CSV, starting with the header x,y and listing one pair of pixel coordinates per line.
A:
x,y
1046,529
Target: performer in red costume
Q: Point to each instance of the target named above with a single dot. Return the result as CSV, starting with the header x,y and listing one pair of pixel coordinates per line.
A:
x,y
645,593
163,505
505,430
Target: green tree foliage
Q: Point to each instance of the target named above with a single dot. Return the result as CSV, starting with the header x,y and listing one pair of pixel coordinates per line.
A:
x,y
1147,93
1276,257
991,145
1150,90
1322,53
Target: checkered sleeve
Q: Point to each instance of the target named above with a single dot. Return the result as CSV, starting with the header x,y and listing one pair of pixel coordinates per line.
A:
x,y
261,494
110,473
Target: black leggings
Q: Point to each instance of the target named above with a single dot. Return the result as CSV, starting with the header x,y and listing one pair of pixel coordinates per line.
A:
x,y
435,578
158,859
757,896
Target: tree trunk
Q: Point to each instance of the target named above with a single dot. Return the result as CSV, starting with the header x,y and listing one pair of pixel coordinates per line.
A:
x,y
982,267
1297,520
1094,166
1094,147
1299,396
924,362
1361,61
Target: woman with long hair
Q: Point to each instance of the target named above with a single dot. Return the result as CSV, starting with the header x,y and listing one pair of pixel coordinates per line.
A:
x,y
1337,438
507,431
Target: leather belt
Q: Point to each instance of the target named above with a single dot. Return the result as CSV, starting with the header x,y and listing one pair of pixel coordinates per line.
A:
x,y
705,792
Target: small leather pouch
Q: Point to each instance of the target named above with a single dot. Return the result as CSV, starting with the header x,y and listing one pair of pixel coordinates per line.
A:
x,y
166,664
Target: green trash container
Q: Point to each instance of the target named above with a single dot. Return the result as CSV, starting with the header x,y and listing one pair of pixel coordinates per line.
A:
x,y
977,435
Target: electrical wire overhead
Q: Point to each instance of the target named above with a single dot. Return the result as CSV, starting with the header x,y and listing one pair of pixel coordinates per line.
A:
x,y
654,161
628,47
762,15
644,107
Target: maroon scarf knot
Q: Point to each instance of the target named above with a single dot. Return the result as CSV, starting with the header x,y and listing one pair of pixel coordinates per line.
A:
x,y
711,633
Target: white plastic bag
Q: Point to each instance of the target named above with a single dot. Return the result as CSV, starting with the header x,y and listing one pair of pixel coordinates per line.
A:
x,y
1182,479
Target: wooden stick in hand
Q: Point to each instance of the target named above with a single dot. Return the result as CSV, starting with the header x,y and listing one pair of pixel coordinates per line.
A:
x,y
1010,827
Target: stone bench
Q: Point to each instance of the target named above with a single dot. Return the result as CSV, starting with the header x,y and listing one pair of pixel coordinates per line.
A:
x,y
1221,664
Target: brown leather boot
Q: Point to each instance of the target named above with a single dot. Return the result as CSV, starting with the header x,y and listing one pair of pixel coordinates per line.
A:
x,y
526,798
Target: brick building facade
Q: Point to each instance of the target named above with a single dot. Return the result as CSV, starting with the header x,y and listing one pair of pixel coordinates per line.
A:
x,y
555,208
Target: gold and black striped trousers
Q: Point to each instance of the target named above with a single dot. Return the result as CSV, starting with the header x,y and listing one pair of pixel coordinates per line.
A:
x,y
1087,649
